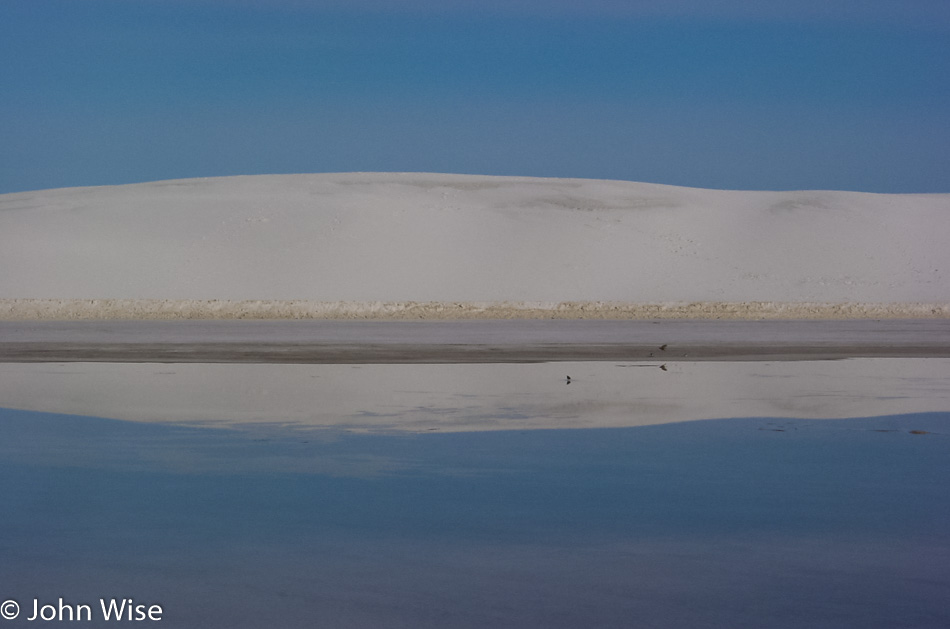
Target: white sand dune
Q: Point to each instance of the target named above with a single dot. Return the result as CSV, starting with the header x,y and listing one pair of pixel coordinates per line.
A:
x,y
443,246
365,240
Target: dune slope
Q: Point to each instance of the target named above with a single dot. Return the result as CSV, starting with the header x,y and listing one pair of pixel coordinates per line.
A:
x,y
372,237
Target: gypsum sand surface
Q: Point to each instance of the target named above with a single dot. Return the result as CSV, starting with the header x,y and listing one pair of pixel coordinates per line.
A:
x,y
416,245
183,309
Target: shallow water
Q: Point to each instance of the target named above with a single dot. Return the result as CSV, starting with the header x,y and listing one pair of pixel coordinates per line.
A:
x,y
746,522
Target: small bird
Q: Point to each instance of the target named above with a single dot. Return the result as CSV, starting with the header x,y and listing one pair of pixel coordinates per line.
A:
x,y
663,367
568,380
663,347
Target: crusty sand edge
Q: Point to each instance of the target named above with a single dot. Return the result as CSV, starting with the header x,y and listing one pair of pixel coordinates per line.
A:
x,y
169,309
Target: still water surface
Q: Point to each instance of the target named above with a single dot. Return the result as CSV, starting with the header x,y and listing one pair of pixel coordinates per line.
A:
x,y
744,522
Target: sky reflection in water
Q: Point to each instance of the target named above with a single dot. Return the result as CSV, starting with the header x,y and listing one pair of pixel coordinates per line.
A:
x,y
741,523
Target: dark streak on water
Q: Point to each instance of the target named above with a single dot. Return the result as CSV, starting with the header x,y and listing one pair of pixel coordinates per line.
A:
x,y
727,523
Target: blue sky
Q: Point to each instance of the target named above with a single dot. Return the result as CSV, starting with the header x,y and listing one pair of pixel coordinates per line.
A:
x,y
720,94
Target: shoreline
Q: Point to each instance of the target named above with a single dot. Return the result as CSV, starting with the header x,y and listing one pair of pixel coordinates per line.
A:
x,y
499,341
224,309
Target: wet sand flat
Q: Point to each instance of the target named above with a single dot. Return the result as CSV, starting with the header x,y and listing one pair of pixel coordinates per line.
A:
x,y
393,342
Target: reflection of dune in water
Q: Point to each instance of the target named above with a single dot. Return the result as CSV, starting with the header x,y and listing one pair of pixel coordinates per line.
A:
x,y
474,397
